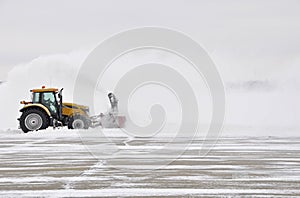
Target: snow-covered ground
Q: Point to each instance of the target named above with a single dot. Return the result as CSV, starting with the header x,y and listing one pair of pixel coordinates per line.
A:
x,y
57,163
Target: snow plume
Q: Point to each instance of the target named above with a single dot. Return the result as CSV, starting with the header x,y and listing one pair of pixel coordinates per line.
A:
x,y
261,103
58,70
251,86
270,105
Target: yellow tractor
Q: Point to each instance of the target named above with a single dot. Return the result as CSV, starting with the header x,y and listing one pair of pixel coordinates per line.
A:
x,y
48,109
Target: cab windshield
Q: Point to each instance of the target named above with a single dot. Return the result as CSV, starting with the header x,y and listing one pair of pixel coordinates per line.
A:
x,y
35,97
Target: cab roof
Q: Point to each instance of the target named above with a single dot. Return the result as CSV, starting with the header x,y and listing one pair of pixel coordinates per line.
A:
x,y
43,89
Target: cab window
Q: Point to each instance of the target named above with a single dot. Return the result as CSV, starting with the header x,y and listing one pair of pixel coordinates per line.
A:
x,y
36,98
48,99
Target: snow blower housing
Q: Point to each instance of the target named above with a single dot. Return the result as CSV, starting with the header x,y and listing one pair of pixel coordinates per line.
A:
x,y
48,109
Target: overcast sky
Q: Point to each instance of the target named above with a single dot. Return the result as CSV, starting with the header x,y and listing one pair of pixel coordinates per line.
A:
x,y
256,39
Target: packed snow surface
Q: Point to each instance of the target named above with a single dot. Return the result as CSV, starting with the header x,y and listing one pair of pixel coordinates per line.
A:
x,y
59,163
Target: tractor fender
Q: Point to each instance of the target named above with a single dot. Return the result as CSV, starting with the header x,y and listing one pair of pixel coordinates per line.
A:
x,y
38,106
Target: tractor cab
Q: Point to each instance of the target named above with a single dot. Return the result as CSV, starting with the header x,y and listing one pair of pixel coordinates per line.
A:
x,y
50,98
46,98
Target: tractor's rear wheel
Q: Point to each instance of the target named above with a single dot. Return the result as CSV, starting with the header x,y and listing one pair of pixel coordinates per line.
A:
x,y
78,122
33,119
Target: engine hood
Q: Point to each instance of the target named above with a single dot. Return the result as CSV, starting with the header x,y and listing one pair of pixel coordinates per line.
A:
x,y
74,105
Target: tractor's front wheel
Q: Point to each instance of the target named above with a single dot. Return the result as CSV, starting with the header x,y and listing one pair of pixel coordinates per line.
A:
x,y
78,122
33,119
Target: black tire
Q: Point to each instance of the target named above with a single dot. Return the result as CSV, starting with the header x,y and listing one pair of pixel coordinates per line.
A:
x,y
33,119
78,122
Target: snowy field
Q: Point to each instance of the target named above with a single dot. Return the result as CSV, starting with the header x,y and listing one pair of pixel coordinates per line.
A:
x,y
56,163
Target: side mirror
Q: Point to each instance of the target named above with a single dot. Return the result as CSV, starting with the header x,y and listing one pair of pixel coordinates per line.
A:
x,y
60,103
60,92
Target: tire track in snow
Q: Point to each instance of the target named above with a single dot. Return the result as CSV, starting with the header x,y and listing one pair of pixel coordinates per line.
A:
x,y
87,173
